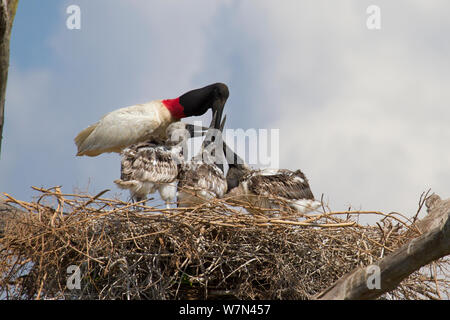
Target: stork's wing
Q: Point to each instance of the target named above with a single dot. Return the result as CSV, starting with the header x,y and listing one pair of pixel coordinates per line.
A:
x,y
146,162
122,128
202,176
291,185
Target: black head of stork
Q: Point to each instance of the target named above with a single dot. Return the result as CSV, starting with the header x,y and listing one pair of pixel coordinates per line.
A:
x,y
197,102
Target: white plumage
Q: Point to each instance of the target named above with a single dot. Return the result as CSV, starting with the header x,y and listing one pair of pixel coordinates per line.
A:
x,y
124,127
142,122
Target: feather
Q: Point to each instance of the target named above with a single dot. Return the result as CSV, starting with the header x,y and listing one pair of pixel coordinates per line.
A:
x,y
124,127
199,181
148,167
200,175
149,162
202,179
283,183
265,188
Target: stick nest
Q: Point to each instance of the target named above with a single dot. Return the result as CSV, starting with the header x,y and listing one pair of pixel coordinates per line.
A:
x,y
134,251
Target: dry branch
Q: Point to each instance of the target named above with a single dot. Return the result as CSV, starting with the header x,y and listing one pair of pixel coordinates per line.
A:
x,y
209,251
8,213
430,246
7,12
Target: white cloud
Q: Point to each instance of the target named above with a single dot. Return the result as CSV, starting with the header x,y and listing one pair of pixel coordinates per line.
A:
x,y
369,109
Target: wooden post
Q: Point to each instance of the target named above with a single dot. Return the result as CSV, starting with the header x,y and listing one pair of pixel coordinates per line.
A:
x,y
434,243
7,12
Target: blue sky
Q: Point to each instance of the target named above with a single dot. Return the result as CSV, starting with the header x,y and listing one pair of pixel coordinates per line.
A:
x,y
363,113
29,47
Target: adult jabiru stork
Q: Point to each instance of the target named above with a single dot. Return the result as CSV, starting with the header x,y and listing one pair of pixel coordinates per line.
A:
x,y
142,122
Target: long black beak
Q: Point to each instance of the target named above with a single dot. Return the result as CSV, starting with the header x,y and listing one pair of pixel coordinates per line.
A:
x,y
219,164
213,139
222,124
231,157
217,110
213,125
194,128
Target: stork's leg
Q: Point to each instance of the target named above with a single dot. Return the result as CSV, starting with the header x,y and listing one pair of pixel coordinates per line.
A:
x,y
138,199
168,192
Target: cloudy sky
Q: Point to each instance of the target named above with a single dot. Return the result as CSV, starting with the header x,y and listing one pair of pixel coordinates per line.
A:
x,y
364,113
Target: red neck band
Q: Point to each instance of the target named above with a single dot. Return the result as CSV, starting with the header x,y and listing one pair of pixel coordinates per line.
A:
x,y
175,108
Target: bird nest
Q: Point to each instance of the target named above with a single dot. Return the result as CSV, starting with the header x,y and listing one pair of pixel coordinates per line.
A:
x,y
212,251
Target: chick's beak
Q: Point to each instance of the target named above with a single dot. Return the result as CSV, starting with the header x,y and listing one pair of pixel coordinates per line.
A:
x,y
195,131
